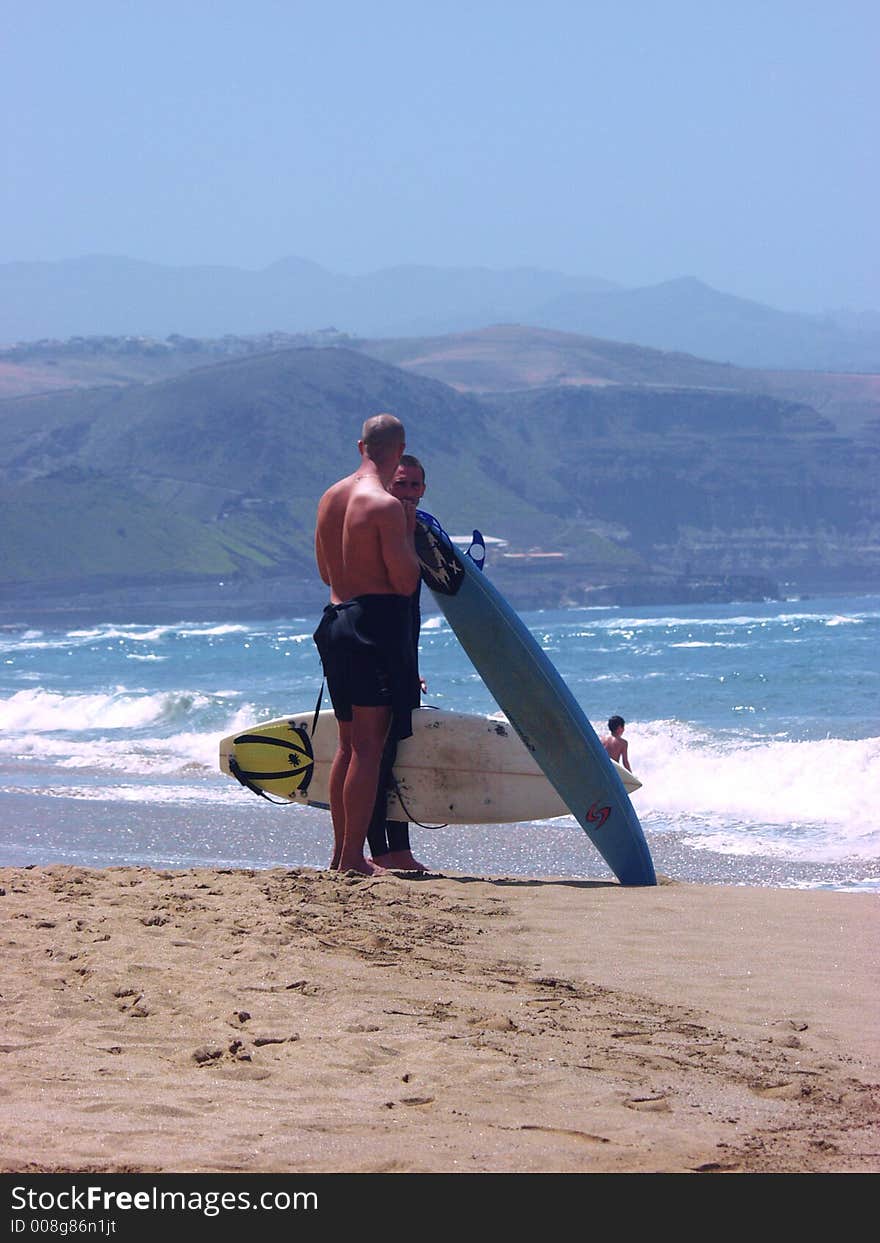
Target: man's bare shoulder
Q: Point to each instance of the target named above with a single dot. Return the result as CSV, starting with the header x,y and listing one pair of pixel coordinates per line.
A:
x,y
341,487
372,499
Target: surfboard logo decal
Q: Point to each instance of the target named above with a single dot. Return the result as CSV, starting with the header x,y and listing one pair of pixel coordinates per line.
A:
x,y
263,749
441,568
598,815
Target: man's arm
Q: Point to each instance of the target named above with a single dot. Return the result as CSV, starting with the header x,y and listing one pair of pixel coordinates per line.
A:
x,y
624,755
397,524
319,555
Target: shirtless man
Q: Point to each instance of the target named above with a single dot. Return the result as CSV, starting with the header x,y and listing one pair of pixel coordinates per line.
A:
x,y
615,744
365,554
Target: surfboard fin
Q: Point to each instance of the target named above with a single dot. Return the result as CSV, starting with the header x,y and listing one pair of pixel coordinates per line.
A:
x,y
477,550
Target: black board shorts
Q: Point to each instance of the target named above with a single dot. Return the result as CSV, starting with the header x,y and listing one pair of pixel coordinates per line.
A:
x,y
369,656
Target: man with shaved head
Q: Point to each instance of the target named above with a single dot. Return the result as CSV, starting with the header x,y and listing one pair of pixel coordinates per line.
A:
x,y
366,555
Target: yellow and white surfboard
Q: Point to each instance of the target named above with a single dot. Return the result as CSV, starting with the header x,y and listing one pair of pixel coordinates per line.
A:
x,y
456,768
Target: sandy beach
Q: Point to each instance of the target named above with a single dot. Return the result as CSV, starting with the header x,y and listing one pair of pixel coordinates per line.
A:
x,y
303,1021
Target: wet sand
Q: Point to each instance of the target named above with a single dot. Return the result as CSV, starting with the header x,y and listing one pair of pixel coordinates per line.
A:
x,y
297,1020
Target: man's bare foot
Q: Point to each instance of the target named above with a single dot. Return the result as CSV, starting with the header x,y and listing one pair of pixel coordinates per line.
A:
x,y
366,867
401,861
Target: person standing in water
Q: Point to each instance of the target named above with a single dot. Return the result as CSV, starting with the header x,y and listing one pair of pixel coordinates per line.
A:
x,y
615,743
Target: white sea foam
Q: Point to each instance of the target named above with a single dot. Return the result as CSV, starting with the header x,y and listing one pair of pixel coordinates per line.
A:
x,y
704,643
36,711
618,623
74,640
193,754
36,642
135,634
176,795
199,632
814,800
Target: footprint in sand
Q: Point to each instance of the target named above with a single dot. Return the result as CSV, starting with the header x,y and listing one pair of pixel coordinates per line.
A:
x,y
206,1053
242,1070
582,1136
783,1091
493,1023
649,1104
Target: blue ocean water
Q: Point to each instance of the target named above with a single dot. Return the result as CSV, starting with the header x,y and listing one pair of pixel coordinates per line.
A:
x,y
755,730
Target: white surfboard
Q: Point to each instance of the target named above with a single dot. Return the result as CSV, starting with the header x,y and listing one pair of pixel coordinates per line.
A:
x,y
455,769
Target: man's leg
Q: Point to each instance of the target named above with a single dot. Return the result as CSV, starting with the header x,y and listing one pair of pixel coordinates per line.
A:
x,y
389,839
368,729
400,856
338,772
376,837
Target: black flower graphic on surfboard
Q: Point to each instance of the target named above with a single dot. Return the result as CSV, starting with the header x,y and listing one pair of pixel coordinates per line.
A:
x,y
441,568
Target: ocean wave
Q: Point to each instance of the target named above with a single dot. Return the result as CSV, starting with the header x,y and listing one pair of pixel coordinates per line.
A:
x,y
820,799
801,843
202,632
189,752
192,754
136,634
862,884
38,711
705,643
36,640
622,624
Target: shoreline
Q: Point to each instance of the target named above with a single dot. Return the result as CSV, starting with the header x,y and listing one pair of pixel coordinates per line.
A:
x,y
239,1021
251,833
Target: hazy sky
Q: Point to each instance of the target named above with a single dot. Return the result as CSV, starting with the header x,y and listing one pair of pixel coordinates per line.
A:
x,y
638,140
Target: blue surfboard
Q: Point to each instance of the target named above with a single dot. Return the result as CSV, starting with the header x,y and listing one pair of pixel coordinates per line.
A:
x,y
536,701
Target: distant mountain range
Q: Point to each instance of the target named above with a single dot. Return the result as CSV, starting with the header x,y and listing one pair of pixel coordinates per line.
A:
x,y
101,295
648,487
505,358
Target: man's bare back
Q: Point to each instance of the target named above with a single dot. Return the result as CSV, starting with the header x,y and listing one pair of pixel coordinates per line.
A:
x,y
615,744
616,748
363,539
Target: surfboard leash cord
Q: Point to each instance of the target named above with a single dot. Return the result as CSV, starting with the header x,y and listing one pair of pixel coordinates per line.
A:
x,y
410,817
241,776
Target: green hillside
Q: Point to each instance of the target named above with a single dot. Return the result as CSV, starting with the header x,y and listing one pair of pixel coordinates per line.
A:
x,y
237,455
217,472
72,526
